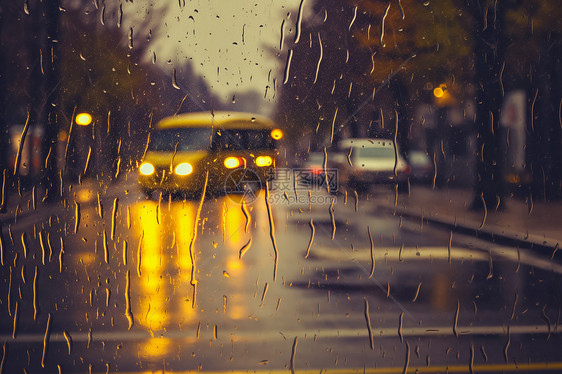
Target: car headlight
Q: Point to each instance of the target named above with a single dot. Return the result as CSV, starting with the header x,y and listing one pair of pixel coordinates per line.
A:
x,y
184,169
233,162
146,168
264,161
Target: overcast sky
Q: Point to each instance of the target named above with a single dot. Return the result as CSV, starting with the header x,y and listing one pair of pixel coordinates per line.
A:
x,y
230,43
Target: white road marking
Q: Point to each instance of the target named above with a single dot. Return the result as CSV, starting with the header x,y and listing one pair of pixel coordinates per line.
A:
x,y
387,332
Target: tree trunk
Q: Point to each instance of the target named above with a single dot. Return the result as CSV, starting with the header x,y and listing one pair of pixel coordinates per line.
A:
x,y
489,59
4,146
50,116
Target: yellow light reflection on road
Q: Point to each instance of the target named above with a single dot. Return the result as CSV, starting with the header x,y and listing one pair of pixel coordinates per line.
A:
x,y
151,312
160,293
234,224
184,218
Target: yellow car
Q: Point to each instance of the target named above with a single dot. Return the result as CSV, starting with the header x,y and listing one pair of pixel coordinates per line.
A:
x,y
226,151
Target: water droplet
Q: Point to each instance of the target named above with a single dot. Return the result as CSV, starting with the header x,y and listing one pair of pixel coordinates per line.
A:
x,y
372,252
244,208
271,230
245,249
282,38
299,23
125,252
354,17
128,313
507,344
46,341
76,217
369,328
114,217
265,287
312,230
381,42
319,58
35,309
288,67
139,250
131,38
120,17
105,248
102,15
174,80
100,206
333,219
400,325
15,321
417,293
456,319
293,354
20,145
23,243
68,339
61,254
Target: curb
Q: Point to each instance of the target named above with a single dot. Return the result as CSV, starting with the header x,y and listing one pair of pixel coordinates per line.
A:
x,y
493,233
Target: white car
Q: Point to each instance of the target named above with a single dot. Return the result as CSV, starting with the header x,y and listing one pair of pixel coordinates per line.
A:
x,y
365,162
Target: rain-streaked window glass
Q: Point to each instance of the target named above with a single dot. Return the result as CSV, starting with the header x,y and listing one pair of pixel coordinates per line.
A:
x,y
311,186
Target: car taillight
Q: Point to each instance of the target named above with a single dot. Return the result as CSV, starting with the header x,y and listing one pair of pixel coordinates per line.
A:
x,y
407,170
317,171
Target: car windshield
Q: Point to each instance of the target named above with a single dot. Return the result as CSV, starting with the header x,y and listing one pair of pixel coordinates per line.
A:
x,y
242,139
375,152
180,139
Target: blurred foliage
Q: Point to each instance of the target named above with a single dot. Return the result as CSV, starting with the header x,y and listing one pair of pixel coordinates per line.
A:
x,y
377,57
380,59
104,70
436,33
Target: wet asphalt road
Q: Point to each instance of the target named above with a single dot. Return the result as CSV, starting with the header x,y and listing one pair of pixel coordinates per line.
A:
x,y
351,288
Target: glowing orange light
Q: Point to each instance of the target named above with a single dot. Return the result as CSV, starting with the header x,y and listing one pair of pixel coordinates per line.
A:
x,y
233,162
438,92
264,161
276,134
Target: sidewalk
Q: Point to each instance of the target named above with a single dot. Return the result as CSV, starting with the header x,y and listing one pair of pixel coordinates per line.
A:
x,y
537,224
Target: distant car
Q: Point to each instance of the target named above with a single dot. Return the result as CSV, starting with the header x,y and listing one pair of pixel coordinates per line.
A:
x,y
227,152
422,166
365,162
311,171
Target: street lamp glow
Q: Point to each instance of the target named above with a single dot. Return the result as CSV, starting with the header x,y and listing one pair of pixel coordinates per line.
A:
x,y
83,119
438,92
